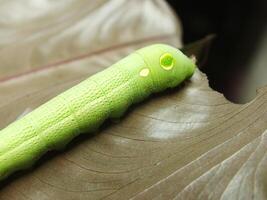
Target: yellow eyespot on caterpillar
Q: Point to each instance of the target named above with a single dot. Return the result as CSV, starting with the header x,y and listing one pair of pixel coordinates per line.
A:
x,y
167,61
84,107
144,72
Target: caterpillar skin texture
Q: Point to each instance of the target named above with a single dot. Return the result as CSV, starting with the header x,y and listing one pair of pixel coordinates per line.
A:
x,y
84,107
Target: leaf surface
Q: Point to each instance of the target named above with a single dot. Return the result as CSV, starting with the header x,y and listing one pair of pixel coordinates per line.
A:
x,y
187,143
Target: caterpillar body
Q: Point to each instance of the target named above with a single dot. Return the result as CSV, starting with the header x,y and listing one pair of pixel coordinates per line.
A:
x,y
84,107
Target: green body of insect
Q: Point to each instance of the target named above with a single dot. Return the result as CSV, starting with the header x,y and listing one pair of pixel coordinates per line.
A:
x,y
84,107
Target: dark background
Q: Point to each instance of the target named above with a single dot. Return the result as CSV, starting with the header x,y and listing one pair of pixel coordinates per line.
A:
x,y
240,28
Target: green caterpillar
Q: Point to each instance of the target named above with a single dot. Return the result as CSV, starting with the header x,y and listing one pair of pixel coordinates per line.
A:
x,y
84,107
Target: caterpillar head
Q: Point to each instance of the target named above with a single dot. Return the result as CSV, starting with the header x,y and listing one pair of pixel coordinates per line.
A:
x,y
166,65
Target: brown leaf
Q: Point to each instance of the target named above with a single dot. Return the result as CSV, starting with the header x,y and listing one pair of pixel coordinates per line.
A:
x,y
52,30
199,49
40,50
188,143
